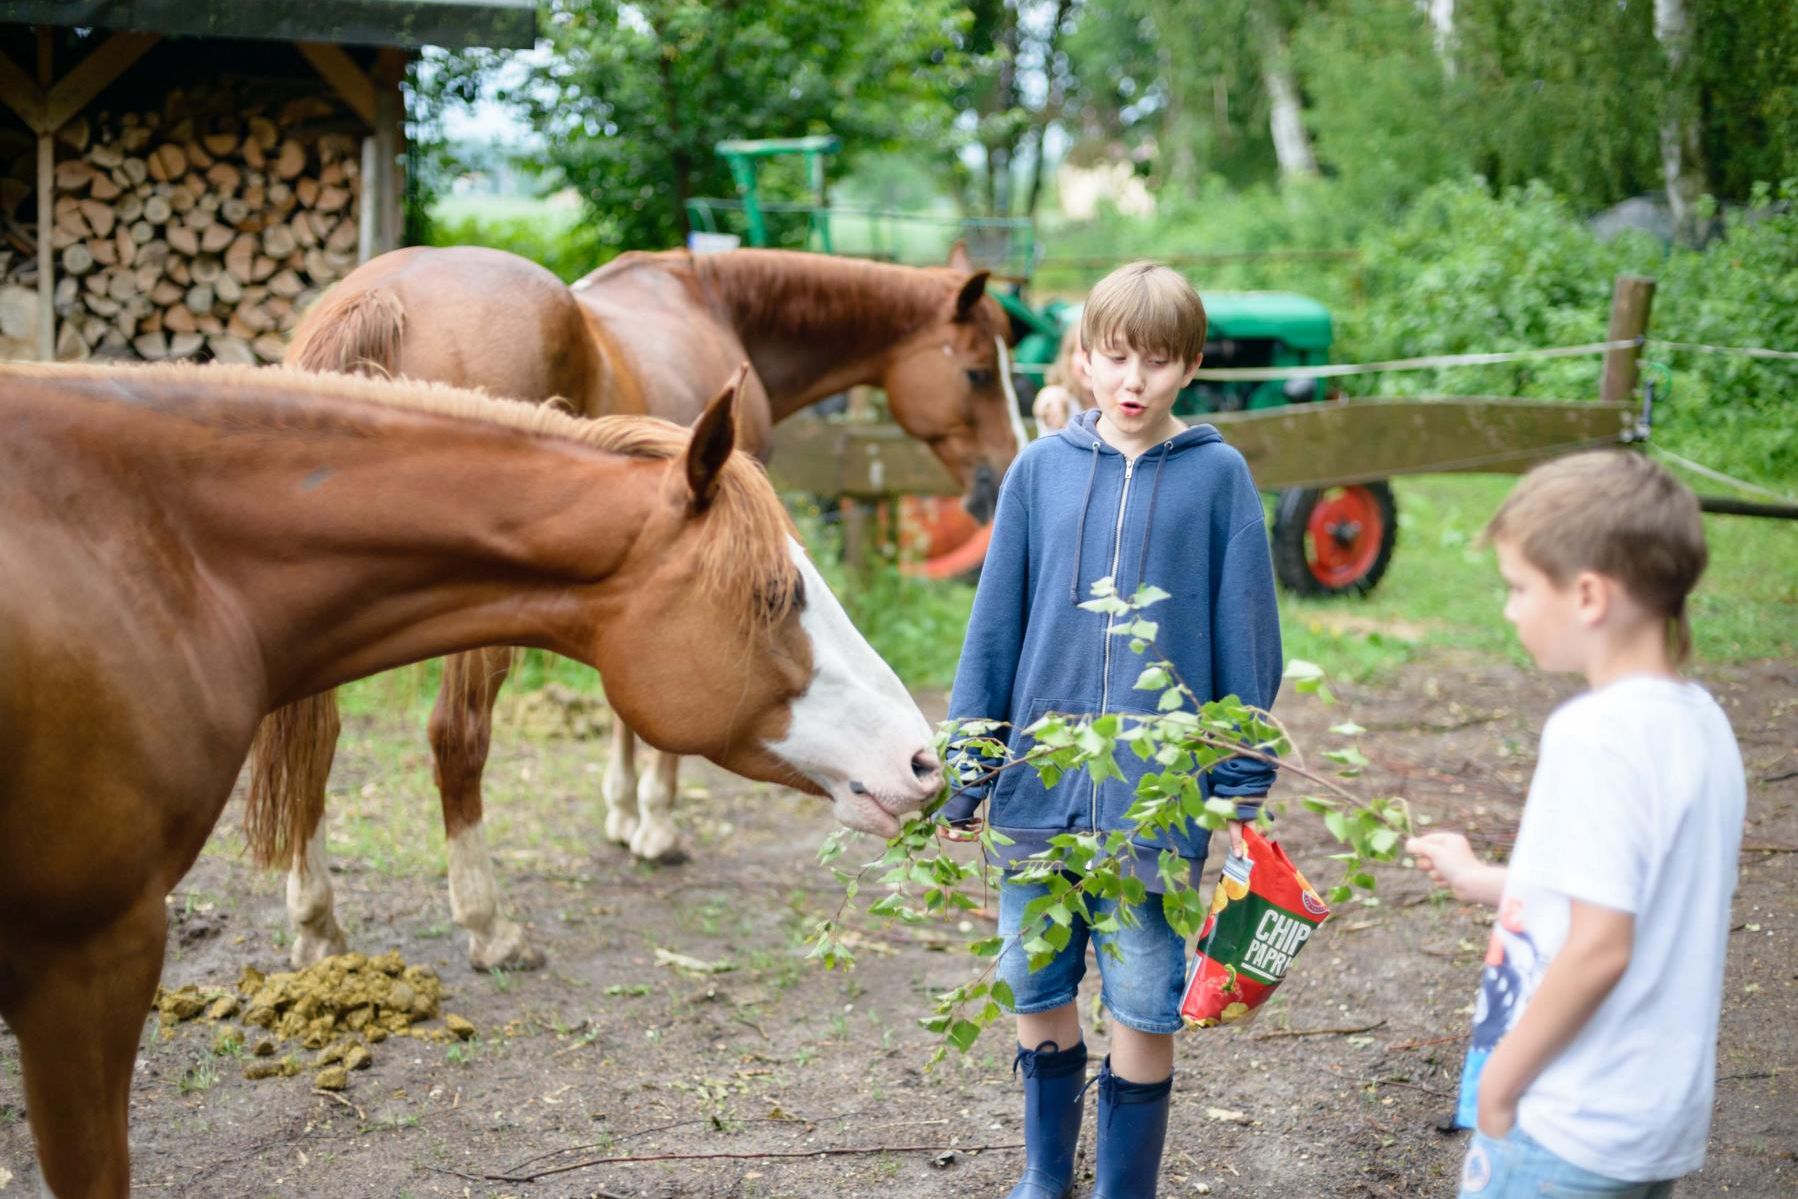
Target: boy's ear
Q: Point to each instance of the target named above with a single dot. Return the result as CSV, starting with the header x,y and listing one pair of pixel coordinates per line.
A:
x,y
1192,370
1591,596
970,294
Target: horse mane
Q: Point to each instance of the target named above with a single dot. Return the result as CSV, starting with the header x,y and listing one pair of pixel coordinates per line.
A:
x,y
744,555
801,296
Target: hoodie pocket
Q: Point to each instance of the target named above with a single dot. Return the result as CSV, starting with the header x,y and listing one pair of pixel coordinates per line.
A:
x,y
1117,797
1020,800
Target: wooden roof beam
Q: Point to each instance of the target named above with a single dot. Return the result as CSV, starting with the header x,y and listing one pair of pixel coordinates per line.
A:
x,y
344,76
46,111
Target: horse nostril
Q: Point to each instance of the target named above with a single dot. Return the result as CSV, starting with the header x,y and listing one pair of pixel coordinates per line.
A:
x,y
924,764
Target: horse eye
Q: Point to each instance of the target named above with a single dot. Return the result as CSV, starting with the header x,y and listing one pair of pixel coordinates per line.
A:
x,y
980,378
784,597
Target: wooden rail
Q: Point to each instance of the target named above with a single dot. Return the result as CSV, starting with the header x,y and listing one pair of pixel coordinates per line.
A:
x,y
1302,445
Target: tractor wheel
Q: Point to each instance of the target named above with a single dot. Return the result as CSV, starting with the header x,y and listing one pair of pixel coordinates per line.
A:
x,y
1334,540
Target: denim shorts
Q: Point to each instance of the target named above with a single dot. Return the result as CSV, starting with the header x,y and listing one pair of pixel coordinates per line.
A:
x,y
1142,991
1518,1166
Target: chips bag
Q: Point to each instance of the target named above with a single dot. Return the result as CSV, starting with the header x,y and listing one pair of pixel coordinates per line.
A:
x,y
1262,913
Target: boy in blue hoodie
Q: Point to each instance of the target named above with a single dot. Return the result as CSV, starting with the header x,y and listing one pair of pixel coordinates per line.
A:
x,y
1128,491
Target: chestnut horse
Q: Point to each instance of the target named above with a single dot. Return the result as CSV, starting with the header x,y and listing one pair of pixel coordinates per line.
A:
x,y
187,548
652,333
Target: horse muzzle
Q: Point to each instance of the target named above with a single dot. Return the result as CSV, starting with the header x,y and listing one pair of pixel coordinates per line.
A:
x,y
982,497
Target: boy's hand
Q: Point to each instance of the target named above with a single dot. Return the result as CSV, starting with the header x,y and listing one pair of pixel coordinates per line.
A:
x,y
1447,856
966,831
1238,847
1497,1114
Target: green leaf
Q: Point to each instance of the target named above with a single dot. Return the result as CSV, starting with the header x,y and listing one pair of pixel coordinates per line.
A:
x,y
963,1034
1153,678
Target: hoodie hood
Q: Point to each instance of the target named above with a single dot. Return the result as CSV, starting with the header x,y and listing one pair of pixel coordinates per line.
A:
x,y
1083,431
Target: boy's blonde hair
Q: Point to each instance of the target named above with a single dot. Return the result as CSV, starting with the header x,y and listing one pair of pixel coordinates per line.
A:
x,y
1150,308
1617,513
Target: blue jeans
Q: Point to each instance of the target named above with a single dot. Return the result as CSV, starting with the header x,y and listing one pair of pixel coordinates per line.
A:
x,y
1518,1167
1142,991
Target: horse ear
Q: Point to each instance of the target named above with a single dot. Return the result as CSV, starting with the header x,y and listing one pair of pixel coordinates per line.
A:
x,y
714,438
959,258
970,294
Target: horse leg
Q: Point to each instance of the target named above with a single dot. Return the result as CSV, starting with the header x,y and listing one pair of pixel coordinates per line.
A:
x,y
461,726
316,934
620,787
78,1011
656,839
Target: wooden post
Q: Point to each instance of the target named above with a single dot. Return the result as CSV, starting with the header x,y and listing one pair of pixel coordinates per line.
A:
x,y
365,216
46,202
1631,298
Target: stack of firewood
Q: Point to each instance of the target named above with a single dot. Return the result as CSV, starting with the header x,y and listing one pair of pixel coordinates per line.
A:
x,y
203,230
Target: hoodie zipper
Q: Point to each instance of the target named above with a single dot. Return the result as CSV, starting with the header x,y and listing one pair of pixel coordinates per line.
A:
x,y
1117,549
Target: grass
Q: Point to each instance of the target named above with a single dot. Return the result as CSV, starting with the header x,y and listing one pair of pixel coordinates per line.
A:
x,y
1442,595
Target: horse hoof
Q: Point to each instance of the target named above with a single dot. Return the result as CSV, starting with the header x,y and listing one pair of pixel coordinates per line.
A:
x,y
659,844
621,830
507,949
309,948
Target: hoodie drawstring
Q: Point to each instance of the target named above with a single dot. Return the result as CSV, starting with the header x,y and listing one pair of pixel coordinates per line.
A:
x,y
1142,554
1080,532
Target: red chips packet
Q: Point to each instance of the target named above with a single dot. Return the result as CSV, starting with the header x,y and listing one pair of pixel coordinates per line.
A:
x,y
1262,913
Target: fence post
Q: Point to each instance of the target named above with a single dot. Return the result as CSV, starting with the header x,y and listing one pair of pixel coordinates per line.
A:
x,y
1631,298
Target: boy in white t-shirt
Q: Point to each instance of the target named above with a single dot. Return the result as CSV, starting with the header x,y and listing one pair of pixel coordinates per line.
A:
x,y
1594,1044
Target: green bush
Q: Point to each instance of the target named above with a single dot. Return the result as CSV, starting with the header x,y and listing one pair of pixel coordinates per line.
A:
x,y
553,236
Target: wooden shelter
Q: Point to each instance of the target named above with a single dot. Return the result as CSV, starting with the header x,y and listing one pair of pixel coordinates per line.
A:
x,y
179,178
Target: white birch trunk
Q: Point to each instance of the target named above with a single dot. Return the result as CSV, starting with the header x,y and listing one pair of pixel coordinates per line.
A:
x,y
1682,162
1292,146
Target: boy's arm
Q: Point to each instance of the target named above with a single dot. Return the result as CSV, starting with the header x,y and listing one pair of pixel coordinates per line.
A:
x,y
1246,656
1451,862
995,638
1588,966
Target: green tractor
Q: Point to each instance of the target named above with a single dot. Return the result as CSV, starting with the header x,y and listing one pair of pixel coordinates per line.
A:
x,y
1333,540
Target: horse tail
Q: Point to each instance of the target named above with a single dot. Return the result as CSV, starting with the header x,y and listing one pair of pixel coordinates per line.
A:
x,y
290,760
357,332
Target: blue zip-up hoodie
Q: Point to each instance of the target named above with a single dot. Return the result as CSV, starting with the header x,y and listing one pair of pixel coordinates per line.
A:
x,y
1184,516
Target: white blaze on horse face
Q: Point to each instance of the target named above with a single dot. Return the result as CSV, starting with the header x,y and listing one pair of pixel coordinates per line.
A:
x,y
855,732
1011,397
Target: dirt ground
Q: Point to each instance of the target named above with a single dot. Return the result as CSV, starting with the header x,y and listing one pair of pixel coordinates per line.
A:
x,y
776,1079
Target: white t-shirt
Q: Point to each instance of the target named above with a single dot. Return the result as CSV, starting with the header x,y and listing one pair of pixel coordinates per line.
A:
x,y
1636,805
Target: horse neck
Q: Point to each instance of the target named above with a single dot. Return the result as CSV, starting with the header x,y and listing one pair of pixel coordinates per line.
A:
x,y
423,537
815,325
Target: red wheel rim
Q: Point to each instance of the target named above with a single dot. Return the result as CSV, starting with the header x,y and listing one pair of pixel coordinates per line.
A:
x,y
1344,536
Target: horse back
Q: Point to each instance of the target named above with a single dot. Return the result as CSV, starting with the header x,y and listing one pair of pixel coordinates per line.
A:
x,y
463,315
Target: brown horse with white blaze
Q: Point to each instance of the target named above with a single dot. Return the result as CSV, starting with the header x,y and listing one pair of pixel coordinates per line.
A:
x,y
187,548
653,333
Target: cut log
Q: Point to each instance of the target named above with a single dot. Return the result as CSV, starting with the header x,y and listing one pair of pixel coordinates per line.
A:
x,y
232,211
179,318
113,345
343,239
165,293
216,238
107,155
148,277
270,347
185,345
93,329
183,240
136,170
95,284
306,189
206,268
122,286
291,161
240,257
75,134
263,133
167,161
210,325
151,346
263,267
177,270
100,217
142,232
318,266
304,235
186,193
127,247
68,295
229,290
224,177
199,299
128,323
103,251
331,199
197,157
277,241
198,217
232,350
74,175
220,145
131,208
286,283
253,155
70,222
77,259
104,188
153,253
157,210
70,347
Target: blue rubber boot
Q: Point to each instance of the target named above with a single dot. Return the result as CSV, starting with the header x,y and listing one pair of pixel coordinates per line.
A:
x,y
1054,1085
1132,1131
